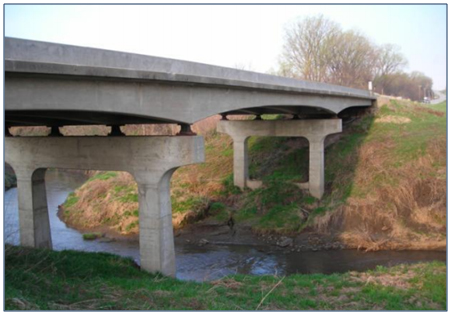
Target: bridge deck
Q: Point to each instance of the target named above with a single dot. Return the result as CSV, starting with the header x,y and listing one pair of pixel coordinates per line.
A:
x,y
55,84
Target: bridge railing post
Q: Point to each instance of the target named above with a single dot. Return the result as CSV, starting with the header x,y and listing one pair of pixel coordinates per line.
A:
x,y
34,224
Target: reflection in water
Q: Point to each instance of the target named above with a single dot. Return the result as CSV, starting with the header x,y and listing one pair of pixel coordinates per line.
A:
x,y
207,262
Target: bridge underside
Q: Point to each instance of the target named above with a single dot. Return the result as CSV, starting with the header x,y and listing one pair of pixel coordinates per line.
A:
x,y
75,117
14,118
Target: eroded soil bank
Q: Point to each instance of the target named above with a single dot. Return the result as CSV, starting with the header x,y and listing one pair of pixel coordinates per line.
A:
x,y
211,232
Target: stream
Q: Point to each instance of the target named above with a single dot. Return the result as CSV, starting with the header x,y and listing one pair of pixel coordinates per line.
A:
x,y
208,262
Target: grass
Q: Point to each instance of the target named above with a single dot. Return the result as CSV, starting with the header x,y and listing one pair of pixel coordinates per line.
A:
x,y
219,211
71,200
69,280
398,182
103,176
106,199
92,236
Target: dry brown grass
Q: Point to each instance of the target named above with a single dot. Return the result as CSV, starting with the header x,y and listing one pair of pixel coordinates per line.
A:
x,y
205,179
394,204
393,119
406,212
98,205
386,100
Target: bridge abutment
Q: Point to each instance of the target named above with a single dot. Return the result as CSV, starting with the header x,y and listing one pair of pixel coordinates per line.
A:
x,y
315,130
151,161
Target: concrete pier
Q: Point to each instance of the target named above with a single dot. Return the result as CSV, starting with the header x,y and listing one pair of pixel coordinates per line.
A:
x,y
315,130
151,161
33,212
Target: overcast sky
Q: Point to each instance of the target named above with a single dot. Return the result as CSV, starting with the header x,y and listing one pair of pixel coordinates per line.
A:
x,y
249,37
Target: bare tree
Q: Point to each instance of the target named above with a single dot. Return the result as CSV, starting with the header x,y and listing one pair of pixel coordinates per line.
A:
x,y
317,49
351,60
389,61
414,86
306,48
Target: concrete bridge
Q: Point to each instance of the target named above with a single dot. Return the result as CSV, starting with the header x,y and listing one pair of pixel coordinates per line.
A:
x,y
55,85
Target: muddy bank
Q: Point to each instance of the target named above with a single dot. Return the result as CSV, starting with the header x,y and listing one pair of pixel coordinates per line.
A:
x,y
210,232
214,233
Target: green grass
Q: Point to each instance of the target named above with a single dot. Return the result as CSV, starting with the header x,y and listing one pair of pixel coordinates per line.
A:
x,y
125,193
92,236
219,211
103,176
281,218
264,144
69,280
131,225
411,138
229,187
129,198
71,200
439,107
191,203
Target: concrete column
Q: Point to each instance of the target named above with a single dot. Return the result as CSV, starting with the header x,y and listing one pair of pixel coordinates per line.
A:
x,y
34,221
316,166
240,162
156,239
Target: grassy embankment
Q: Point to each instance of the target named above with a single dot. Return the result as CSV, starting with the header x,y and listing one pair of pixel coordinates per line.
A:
x,y
68,280
385,185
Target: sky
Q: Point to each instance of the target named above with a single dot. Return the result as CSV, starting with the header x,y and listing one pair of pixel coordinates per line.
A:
x,y
248,37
